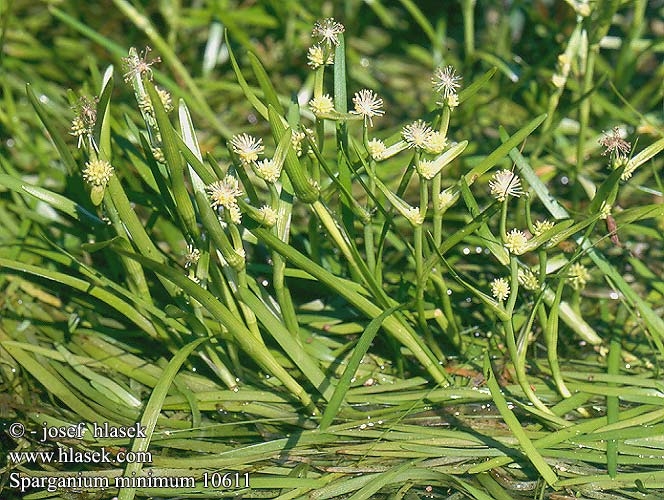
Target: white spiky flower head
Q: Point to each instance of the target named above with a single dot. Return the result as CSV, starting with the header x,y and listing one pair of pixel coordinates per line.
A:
x,y
578,275
192,256
224,193
500,289
528,279
414,216
321,105
542,226
436,143
328,30
516,242
318,56
136,65
445,81
416,134
98,172
267,170
84,121
376,148
427,169
247,147
445,199
368,104
505,183
269,215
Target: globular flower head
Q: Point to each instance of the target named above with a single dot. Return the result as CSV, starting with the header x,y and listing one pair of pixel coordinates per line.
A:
x,y
136,65
427,169
318,56
578,275
368,104
516,242
505,183
145,104
446,81
414,216
630,167
83,123
224,193
528,279
445,199
296,141
500,289
328,30
436,143
542,226
98,172
321,105
614,144
376,149
247,147
267,170
269,215
417,134
604,210
192,256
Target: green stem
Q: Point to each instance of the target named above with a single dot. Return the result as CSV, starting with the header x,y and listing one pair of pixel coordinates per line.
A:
x,y
551,337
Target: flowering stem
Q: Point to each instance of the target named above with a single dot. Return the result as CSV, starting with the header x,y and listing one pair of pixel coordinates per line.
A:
x,y
503,220
369,247
551,337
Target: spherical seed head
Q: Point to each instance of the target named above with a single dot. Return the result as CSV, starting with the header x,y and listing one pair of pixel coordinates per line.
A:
x,y
158,154
427,169
247,147
267,170
614,144
445,81
192,256
500,289
319,56
328,30
86,116
542,226
269,215
368,104
416,134
376,148
516,242
97,172
414,215
138,65
436,143
321,105
224,193
505,183
528,279
578,275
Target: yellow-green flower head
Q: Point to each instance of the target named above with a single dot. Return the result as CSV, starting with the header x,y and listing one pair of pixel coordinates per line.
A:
x,y
604,210
414,216
192,256
516,241
505,183
158,154
368,104
417,134
319,56
427,169
321,105
578,275
296,141
445,81
267,170
83,123
224,193
328,30
145,104
500,289
376,149
528,279
97,172
436,143
247,147
542,226
269,215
